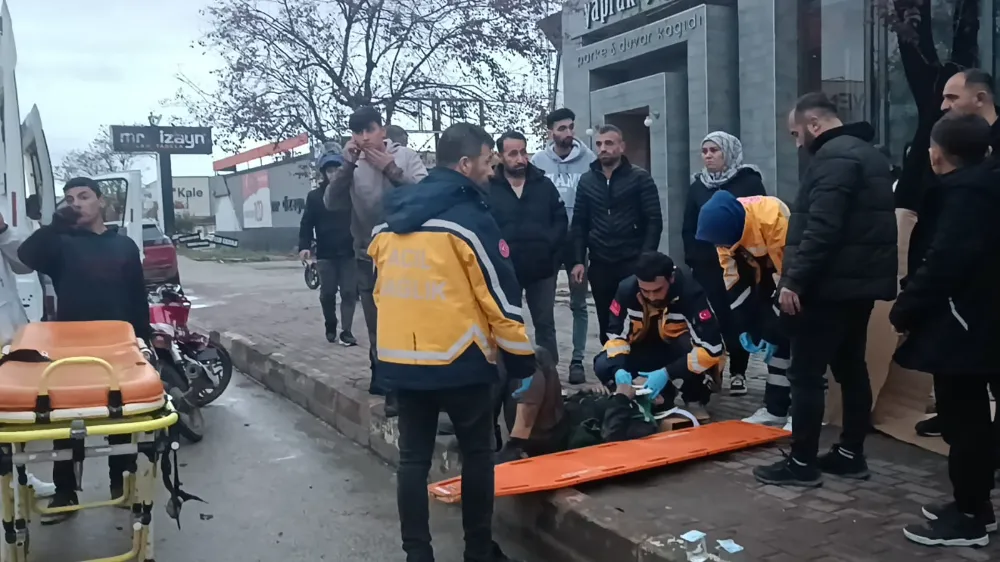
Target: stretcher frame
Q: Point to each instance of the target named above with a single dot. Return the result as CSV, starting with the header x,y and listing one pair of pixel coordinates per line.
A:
x,y
149,441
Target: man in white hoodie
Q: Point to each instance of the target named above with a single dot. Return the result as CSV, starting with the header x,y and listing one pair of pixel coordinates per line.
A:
x,y
12,316
564,160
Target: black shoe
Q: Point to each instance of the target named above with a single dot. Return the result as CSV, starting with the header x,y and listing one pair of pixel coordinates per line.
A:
x,y
331,336
577,375
985,515
950,529
931,427
842,462
57,501
789,472
391,407
347,339
737,385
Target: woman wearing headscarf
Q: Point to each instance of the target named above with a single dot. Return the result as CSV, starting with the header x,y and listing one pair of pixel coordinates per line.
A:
x,y
724,169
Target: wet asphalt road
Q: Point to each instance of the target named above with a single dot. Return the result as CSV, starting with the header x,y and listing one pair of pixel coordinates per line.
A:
x,y
280,485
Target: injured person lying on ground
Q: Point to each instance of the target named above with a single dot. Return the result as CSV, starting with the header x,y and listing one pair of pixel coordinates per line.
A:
x,y
546,422
663,337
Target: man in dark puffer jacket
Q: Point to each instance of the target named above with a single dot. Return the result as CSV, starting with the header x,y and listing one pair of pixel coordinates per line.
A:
x,y
840,258
616,217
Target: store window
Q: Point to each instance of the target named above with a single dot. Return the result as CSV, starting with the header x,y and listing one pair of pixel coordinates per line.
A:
x,y
898,102
833,36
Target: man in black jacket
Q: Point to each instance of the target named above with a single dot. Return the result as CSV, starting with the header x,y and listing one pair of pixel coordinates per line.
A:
x,y
97,274
338,269
532,220
840,258
969,92
947,310
616,217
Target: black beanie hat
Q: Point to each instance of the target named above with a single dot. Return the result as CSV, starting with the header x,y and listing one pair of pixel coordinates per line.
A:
x,y
83,182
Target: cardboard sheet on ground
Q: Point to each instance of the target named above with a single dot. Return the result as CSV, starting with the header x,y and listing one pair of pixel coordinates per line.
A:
x,y
571,468
899,396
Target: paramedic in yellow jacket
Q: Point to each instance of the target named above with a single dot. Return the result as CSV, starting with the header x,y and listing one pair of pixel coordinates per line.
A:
x,y
662,329
749,234
448,302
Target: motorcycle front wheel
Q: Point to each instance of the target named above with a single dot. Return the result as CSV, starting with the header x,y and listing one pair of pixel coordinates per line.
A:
x,y
217,361
190,422
312,276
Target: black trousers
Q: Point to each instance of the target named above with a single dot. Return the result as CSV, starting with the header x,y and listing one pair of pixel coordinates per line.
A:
x,y
471,411
65,479
963,403
604,278
710,279
833,334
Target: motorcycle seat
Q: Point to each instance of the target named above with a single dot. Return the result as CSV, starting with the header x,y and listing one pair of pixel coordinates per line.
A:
x,y
83,381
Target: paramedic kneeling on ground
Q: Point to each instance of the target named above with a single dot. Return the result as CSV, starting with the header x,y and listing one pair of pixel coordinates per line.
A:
x,y
447,298
749,236
661,328
97,274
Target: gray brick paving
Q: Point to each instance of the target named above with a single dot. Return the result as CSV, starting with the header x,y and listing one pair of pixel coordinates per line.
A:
x,y
843,521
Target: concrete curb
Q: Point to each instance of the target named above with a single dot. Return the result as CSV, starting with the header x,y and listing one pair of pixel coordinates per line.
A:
x,y
566,525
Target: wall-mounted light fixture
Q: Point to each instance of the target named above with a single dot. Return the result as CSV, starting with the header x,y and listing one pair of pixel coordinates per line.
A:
x,y
648,121
589,132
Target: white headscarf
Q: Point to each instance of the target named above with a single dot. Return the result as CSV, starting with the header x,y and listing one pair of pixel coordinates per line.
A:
x,y
732,150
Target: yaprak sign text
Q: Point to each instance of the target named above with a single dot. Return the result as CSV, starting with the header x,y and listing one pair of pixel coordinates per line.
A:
x,y
600,12
171,140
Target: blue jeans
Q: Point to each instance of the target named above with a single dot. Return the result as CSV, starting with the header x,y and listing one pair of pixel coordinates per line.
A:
x,y
578,304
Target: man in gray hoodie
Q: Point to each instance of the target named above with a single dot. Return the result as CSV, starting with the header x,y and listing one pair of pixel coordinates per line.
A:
x,y
564,160
372,166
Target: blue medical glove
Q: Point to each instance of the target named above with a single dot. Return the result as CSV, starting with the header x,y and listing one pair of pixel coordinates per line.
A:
x,y
525,384
748,343
623,377
656,381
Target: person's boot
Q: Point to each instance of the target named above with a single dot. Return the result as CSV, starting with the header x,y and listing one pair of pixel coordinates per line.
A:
x,y
931,427
789,472
391,406
60,499
845,463
577,374
951,528
737,385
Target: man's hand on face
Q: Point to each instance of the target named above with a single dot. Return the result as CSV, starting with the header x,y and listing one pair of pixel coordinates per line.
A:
x,y
379,159
351,152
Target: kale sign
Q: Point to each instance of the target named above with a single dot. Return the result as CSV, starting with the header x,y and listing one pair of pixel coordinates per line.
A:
x,y
168,140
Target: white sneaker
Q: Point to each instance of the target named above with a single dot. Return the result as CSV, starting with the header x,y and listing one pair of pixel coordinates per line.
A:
x,y
788,426
763,417
42,489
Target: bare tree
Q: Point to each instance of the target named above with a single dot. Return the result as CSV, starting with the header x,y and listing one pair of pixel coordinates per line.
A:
x,y
99,157
926,68
293,66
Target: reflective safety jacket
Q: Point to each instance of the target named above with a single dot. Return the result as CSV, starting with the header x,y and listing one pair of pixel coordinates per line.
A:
x,y
445,290
752,267
640,336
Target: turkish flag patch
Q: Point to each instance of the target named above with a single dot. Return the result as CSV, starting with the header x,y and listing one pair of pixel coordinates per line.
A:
x,y
504,248
705,315
615,308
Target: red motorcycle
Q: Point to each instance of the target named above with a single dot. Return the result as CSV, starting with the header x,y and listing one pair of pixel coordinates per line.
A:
x,y
187,360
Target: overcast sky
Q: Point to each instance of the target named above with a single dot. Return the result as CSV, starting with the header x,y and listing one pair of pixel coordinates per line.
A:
x,y
99,62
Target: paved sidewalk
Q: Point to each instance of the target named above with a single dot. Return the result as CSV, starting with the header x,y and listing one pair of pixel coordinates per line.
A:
x,y
623,519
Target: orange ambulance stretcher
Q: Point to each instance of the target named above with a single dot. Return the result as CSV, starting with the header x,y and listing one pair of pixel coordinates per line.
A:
x,y
76,380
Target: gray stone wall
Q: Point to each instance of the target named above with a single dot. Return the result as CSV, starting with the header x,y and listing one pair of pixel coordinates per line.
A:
x,y
768,83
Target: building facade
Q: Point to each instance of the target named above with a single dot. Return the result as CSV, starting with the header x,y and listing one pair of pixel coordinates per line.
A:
x,y
667,72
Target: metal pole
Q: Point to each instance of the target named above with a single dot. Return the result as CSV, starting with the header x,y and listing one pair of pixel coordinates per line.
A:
x,y
167,187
